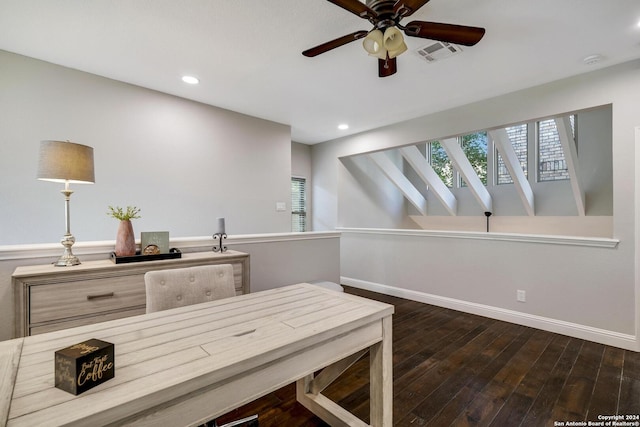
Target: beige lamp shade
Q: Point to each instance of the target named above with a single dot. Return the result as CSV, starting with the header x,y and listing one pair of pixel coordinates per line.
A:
x,y
63,161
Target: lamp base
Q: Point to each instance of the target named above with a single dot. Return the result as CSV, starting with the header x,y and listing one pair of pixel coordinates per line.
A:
x,y
67,259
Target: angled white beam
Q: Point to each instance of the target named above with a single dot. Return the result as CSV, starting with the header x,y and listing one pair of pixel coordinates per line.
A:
x,y
463,166
571,157
422,167
397,177
511,161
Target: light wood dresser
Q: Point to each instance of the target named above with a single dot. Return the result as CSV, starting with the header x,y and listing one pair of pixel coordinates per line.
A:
x,y
49,298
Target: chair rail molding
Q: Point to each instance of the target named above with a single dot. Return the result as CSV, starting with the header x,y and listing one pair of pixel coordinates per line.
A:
x,y
600,242
185,244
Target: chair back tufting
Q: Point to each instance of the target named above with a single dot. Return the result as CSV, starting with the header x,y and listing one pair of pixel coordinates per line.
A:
x,y
179,287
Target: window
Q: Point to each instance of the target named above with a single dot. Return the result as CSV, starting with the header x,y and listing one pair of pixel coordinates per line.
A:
x,y
474,146
519,140
552,165
440,163
298,204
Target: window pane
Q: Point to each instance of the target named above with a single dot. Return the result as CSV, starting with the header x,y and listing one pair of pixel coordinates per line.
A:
x,y
298,222
440,163
474,147
298,204
518,138
551,162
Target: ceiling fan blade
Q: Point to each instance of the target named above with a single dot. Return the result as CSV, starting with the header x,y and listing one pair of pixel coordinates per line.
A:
x,y
355,7
407,7
325,47
458,34
387,67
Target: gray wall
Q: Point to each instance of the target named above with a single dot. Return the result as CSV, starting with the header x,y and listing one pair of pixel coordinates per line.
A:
x,y
369,199
301,168
276,259
583,288
587,91
183,163
301,160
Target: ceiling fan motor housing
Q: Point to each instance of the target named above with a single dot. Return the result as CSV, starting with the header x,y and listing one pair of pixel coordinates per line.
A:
x,y
385,16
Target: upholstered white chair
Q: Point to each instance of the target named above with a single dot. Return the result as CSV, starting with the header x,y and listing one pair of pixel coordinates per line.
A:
x,y
179,287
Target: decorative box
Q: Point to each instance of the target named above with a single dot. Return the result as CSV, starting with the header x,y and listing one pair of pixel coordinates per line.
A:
x,y
84,365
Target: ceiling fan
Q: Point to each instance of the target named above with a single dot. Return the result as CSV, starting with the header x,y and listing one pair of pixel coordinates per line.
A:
x,y
385,40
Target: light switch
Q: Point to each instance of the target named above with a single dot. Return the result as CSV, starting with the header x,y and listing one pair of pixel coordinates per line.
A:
x,y
281,206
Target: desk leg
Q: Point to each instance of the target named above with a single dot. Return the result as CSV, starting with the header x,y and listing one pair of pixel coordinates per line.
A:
x,y
381,378
309,389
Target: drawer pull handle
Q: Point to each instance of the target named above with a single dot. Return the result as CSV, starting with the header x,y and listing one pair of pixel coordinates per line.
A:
x,y
107,295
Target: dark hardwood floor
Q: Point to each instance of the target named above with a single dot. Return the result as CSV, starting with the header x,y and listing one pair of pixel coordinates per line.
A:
x,y
452,368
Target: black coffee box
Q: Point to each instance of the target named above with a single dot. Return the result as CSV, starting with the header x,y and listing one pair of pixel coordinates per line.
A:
x,y
83,366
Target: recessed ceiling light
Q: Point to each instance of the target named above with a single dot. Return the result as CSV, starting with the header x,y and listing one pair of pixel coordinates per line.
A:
x,y
343,126
191,80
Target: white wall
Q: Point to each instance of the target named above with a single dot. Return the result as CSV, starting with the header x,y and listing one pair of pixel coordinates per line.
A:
x,y
183,163
568,284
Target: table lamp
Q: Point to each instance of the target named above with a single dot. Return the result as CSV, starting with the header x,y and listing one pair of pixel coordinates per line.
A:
x,y
66,162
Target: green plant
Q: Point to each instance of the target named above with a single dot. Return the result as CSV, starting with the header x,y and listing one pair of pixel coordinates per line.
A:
x,y
119,213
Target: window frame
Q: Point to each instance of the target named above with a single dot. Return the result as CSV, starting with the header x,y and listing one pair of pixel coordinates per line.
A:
x,y
301,213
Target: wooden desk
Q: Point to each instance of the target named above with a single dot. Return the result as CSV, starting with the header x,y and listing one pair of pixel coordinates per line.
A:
x,y
191,364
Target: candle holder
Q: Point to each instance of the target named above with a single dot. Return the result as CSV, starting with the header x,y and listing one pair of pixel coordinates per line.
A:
x,y
220,247
487,214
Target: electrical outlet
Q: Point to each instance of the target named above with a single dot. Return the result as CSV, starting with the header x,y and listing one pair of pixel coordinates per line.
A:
x,y
521,296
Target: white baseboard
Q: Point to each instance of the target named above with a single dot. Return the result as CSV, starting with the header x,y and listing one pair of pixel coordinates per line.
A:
x,y
602,336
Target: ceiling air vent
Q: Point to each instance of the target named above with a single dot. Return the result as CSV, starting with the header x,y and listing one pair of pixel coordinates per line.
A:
x,y
436,51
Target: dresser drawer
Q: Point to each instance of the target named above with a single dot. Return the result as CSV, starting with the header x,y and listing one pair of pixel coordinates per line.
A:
x,y
50,298
81,321
81,298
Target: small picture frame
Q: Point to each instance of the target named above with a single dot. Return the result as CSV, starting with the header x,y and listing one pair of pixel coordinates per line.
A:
x,y
154,242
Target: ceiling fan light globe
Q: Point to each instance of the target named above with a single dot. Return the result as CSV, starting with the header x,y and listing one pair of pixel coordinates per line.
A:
x,y
393,42
395,52
382,54
392,38
374,45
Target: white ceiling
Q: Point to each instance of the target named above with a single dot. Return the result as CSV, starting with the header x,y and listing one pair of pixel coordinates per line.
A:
x,y
247,53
